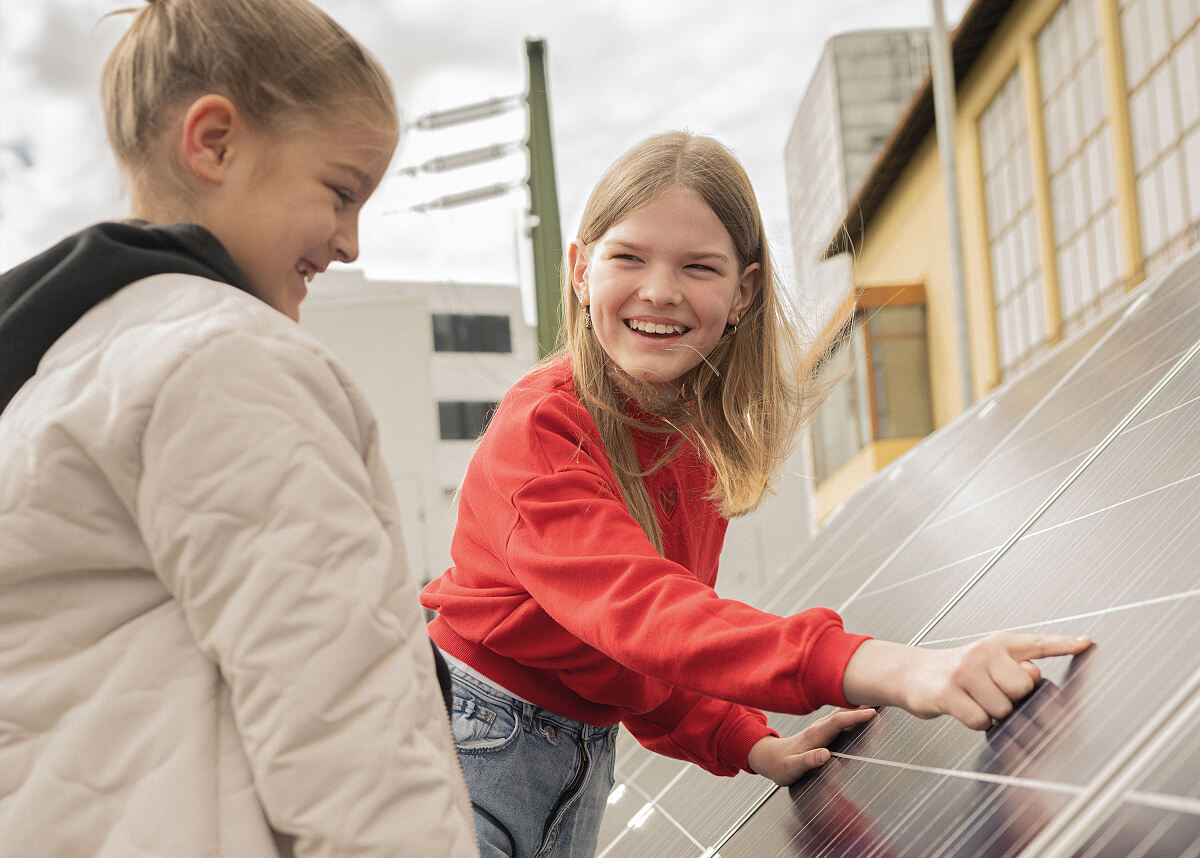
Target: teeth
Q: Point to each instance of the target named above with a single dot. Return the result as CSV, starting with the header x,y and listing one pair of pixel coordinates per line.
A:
x,y
652,328
307,273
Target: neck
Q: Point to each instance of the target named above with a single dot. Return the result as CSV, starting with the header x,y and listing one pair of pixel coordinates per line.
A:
x,y
653,397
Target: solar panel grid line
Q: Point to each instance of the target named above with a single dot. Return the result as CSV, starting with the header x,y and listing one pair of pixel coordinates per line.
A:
x,y
910,820
1167,707
1058,385
1062,487
1124,501
863,511
967,774
949,447
1183,329
814,558
840,519
959,559
862,505
1141,603
845,829
751,809
969,824
985,460
1048,737
1176,803
1068,831
649,804
652,802
990,810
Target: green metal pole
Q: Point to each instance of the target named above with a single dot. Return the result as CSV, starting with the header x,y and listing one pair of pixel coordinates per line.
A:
x,y
543,196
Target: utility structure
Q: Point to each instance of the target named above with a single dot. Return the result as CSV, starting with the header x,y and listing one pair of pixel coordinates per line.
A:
x,y
945,104
542,220
545,230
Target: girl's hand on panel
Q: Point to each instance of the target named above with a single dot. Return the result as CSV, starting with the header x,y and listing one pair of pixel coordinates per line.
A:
x,y
785,759
975,683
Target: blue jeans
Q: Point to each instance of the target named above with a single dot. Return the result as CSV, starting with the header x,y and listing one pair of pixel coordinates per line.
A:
x,y
539,782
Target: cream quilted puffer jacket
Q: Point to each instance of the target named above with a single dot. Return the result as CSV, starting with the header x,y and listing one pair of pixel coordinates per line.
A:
x,y
210,644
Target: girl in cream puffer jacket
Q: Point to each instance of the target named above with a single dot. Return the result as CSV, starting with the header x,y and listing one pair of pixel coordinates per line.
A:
x,y
209,640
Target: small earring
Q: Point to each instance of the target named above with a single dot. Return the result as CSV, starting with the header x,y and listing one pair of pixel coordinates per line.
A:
x,y
587,316
732,329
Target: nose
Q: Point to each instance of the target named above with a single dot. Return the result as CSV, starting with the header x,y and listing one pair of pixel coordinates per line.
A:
x,y
660,287
345,240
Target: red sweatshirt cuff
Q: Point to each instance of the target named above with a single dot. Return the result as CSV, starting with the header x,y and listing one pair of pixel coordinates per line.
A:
x,y
822,680
736,744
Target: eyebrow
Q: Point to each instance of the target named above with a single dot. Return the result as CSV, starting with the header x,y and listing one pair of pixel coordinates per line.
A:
x,y
701,254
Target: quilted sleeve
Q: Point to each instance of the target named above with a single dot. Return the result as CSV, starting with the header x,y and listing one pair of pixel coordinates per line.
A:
x,y
264,521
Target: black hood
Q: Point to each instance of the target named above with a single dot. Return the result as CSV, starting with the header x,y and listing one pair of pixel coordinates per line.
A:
x,y
41,298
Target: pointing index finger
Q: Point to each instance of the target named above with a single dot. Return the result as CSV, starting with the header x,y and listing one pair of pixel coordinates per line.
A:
x,y
1044,646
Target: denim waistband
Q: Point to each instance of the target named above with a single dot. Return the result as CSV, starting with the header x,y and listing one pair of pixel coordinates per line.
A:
x,y
527,712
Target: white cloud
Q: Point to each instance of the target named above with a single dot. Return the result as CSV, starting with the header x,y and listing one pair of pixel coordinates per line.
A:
x,y
618,72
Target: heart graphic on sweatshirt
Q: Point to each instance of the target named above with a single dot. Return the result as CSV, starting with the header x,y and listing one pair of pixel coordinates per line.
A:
x,y
667,498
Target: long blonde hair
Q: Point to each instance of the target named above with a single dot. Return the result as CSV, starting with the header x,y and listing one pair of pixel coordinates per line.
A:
x,y
278,61
742,406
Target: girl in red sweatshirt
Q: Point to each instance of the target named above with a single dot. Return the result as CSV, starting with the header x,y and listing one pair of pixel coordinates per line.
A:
x,y
592,515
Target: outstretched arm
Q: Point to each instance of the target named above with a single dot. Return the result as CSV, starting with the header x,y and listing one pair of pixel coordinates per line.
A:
x,y
974,683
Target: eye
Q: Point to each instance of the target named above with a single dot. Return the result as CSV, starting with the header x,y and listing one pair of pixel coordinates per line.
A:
x,y
344,196
701,267
626,257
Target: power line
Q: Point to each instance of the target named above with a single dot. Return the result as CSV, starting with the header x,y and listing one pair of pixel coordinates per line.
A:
x,y
469,158
466,197
469,112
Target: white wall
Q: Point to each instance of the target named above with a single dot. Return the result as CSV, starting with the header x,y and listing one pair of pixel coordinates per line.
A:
x,y
383,333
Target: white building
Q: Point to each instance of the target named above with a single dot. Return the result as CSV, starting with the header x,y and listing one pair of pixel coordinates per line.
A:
x,y
860,88
433,359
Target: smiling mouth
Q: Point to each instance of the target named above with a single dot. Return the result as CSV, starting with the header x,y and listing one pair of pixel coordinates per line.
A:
x,y
654,329
307,271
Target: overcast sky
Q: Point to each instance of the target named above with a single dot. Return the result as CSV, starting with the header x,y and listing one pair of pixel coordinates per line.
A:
x,y
618,71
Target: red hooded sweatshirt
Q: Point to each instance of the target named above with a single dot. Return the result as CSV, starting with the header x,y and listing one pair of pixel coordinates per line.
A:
x,y
557,595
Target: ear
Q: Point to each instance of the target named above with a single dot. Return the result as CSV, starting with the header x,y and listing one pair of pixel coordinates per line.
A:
x,y
212,128
577,263
747,288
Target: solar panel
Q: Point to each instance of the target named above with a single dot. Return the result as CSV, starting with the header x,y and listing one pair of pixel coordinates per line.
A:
x,y
1068,501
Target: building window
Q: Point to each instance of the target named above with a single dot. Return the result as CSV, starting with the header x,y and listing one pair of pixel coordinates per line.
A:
x,y
842,424
1080,163
883,393
1161,42
1018,291
454,332
464,421
899,378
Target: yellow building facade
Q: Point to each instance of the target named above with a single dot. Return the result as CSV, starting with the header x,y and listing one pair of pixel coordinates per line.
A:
x,y
1077,143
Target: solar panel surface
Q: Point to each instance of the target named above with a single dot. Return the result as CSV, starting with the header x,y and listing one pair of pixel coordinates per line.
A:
x,y
1068,501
